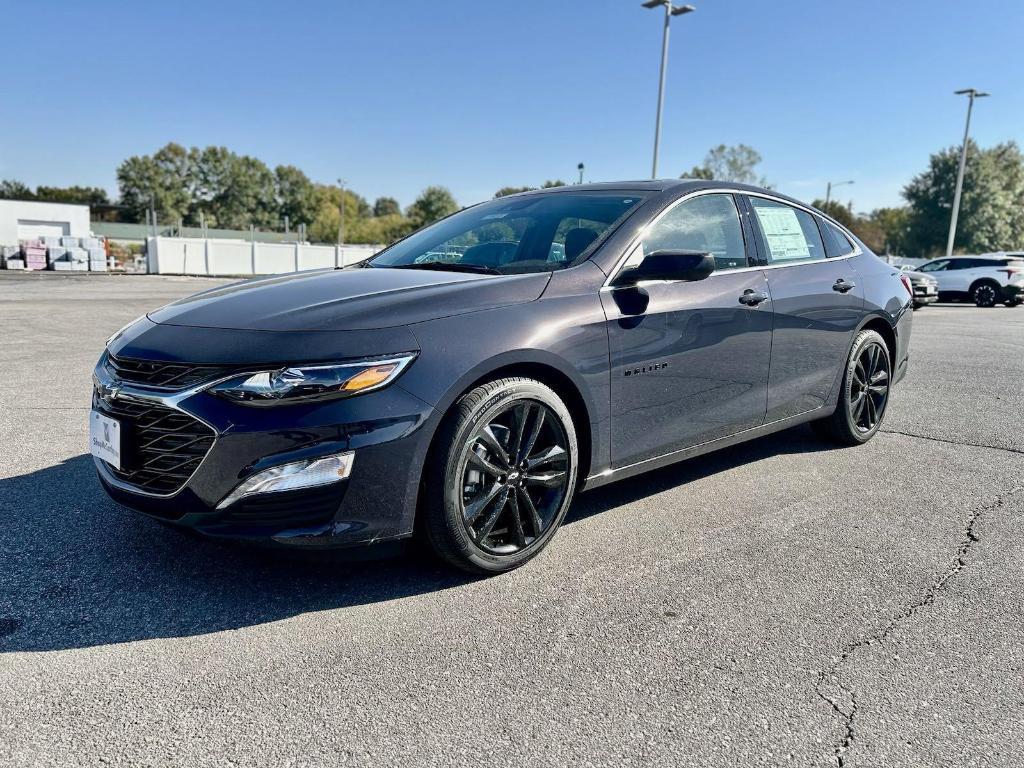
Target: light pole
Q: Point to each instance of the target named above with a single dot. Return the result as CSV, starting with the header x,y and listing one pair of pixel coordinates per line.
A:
x,y
971,94
580,169
828,191
341,211
670,11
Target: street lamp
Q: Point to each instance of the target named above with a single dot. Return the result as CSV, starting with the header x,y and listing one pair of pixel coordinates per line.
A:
x,y
971,94
828,191
341,211
670,11
580,169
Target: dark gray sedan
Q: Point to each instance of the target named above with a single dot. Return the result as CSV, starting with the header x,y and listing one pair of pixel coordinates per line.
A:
x,y
468,381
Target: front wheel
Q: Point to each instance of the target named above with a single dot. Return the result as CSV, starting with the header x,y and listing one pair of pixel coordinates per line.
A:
x,y
864,394
502,476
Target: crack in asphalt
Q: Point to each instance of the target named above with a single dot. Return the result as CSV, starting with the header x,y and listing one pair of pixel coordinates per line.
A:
x,y
952,442
847,711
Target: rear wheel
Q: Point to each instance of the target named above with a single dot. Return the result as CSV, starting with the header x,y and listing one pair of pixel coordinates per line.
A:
x,y
503,476
985,294
864,395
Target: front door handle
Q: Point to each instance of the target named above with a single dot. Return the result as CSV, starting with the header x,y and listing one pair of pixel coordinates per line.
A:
x,y
843,286
752,298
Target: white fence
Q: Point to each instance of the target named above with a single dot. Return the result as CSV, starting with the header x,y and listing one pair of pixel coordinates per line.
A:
x,y
196,256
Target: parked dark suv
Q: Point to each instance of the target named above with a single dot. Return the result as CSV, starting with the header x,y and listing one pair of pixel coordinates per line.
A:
x,y
470,379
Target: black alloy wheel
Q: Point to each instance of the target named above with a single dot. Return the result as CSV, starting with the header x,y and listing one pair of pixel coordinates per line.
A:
x,y
985,295
514,477
868,393
864,394
508,474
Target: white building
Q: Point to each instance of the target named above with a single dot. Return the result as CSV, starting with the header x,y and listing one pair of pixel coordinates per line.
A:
x,y
27,219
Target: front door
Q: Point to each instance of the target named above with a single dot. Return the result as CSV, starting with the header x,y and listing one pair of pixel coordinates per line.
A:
x,y
817,304
689,360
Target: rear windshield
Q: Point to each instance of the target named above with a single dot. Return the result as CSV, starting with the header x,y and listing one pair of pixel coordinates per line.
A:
x,y
533,233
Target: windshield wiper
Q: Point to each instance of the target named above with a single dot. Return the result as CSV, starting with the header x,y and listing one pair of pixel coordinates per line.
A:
x,y
448,266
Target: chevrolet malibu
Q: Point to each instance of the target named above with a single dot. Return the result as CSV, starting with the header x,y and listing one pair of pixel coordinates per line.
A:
x,y
466,382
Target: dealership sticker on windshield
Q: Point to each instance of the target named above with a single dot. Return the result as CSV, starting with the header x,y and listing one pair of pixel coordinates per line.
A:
x,y
105,438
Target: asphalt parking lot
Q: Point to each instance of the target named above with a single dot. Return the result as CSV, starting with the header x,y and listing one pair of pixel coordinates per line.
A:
x,y
781,602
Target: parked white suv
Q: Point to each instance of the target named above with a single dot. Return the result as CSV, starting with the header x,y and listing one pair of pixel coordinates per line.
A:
x,y
986,280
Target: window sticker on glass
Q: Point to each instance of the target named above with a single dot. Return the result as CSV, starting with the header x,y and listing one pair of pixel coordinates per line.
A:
x,y
783,232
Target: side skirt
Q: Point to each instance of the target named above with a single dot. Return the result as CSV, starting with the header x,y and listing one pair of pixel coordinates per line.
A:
x,y
621,473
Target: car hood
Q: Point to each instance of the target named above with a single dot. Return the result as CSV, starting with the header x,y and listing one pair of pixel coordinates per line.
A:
x,y
348,299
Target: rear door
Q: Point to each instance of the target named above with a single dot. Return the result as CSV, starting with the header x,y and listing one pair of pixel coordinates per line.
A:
x,y
689,360
816,306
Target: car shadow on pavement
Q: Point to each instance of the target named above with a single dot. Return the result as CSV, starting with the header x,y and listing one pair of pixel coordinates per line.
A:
x,y
77,570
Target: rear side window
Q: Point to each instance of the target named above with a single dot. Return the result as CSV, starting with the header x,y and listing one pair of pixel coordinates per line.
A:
x,y
836,241
789,234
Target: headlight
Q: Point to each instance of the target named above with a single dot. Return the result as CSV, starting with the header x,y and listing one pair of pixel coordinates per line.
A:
x,y
314,382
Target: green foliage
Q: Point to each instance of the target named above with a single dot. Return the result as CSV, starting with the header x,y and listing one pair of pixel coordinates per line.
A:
x,y
842,213
11,189
505,191
991,208
295,195
556,183
386,206
163,180
434,203
725,163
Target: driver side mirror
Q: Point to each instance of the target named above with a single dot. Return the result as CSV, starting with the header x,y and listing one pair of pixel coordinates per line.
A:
x,y
686,266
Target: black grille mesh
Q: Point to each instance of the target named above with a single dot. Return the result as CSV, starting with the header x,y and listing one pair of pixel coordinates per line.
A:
x,y
160,447
162,375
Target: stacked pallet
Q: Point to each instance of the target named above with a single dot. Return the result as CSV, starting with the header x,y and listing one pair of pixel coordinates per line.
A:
x,y
10,256
34,253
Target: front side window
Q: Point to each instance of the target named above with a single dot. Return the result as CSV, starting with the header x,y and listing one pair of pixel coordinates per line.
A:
x,y
789,234
940,265
706,224
533,233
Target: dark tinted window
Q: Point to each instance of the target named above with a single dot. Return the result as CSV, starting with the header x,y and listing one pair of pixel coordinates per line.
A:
x,y
532,233
960,264
836,241
706,223
789,234
941,265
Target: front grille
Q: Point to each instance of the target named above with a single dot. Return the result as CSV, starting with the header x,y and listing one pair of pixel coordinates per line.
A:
x,y
162,375
160,447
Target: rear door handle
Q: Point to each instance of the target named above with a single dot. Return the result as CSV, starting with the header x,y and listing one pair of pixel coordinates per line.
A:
x,y
752,298
842,286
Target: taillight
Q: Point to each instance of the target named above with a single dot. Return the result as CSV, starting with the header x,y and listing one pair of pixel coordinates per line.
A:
x,y
1011,271
907,284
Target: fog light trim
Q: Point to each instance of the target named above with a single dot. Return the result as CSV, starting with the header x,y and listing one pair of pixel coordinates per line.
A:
x,y
295,475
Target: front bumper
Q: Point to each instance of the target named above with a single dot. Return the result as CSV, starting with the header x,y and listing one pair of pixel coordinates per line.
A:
x,y
389,431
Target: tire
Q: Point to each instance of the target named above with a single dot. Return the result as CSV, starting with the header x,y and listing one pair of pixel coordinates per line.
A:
x,y
1012,303
861,409
478,455
986,293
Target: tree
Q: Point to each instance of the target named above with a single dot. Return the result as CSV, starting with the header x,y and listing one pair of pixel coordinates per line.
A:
x,y
162,181
553,183
295,195
386,206
324,228
991,208
75,194
726,163
505,191
433,203
841,213
10,189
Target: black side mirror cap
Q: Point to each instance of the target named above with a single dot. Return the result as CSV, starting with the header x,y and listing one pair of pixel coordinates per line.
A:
x,y
686,266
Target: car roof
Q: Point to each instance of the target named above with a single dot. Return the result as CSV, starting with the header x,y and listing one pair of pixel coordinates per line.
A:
x,y
680,186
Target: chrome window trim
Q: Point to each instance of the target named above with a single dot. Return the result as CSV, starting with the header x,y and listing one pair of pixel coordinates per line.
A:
x,y
627,252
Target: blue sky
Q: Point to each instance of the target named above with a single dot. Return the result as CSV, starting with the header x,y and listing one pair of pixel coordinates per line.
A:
x,y
393,96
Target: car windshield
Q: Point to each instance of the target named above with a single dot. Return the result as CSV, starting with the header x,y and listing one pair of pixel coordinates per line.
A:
x,y
531,233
